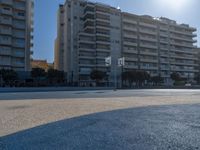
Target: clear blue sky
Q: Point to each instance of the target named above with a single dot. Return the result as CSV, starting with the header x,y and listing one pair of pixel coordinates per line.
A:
x,y
183,11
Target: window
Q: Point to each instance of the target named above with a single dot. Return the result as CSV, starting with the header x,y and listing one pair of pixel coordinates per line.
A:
x,y
6,8
21,14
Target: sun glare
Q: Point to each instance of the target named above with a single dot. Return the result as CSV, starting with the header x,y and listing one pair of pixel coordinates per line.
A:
x,y
175,5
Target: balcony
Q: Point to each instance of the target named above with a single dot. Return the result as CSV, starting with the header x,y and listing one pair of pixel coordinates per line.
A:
x,y
183,33
125,20
89,5
17,64
5,42
129,28
130,51
5,63
103,42
164,41
162,61
131,36
149,60
7,2
183,39
89,21
184,70
183,57
87,65
184,64
164,28
89,14
102,13
6,31
101,57
103,20
103,27
147,25
148,39
165,68
6,12
164,34
86,41
6,52
19,6
185,51
86,34
129,43
19,17
103,34
148,68
149,53
103,50
182,44
148,46
87,49
131,59
148,32
89,28
19,55
164,48
130,67
87,57
5,21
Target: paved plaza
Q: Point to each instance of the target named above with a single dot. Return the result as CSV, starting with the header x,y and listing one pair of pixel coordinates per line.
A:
x,y
100,120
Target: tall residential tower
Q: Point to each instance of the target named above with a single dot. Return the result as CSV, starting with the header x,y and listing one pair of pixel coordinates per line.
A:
x,y
89,32
16,38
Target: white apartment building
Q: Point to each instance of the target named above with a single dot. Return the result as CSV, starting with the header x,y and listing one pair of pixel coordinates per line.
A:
x,y
89,32
16,38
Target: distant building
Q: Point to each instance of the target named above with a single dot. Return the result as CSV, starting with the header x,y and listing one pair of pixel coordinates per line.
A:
x,y
198,49
41,64
16,27
89,32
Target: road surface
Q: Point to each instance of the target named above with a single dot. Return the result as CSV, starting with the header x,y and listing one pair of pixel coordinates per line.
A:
x,y
93,120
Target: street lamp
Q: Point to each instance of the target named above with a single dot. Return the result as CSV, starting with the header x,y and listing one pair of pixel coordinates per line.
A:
x,y
120,63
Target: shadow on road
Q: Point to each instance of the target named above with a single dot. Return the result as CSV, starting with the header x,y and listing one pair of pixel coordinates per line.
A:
x,y
96,94
161,127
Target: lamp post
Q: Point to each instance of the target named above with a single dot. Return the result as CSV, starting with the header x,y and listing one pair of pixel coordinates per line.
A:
x,y
119,63
1,80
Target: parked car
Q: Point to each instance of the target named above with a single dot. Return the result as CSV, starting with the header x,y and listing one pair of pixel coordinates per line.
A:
x,y
188,84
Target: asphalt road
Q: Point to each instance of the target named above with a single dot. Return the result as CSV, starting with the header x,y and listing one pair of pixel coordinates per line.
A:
x,y
101,120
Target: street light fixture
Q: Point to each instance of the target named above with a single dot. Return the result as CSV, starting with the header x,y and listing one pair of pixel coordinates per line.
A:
x,y
120,63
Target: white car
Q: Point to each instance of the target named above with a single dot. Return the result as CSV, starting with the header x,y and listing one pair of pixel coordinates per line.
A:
x,y
188,84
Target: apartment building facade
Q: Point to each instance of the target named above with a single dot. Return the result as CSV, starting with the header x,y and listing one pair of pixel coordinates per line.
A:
x,y
89,32
16,34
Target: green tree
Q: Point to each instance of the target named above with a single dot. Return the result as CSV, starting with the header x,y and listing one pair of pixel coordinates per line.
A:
x,y
97,75
197,78
157,80
175,76
9,76
141,77
38,74
55,76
